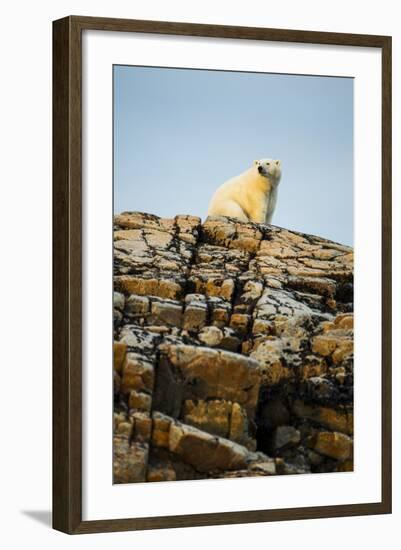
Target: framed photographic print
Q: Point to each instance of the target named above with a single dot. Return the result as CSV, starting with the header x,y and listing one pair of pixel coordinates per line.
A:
x,y
221,355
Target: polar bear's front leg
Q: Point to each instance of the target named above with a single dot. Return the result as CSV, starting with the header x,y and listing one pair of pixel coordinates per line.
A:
x,y
259,214
228,208
271,206
268,219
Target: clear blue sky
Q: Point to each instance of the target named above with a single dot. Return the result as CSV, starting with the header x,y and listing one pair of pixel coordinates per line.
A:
x,y
180,133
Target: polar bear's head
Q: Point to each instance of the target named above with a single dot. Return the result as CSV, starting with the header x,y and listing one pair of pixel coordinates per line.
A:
x,y
269,168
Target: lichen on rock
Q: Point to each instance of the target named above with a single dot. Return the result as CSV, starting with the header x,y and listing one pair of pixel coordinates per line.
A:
x,y
233,350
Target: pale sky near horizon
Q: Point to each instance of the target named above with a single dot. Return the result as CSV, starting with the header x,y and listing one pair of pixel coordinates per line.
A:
x,y
180,133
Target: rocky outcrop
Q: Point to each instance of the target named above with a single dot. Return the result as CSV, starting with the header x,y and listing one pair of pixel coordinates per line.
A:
x,y
233,352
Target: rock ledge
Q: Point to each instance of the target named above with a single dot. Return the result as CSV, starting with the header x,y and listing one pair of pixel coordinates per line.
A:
x,y
233,350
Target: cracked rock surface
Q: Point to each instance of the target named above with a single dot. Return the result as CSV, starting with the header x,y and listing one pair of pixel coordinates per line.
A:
x,y
233,350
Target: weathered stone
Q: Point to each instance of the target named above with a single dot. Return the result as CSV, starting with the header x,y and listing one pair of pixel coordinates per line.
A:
x,y
344,350
117,318
345,321
258,469
261,326
324,345
116,383
240,322
214,287
320,389
118,301
269,356
334,444
159,329
238,425
204,451
211,336
339,374
120,349
158,239
169,466
252,292
319,285
303,256
313,366
164,288
124,429
330,418
128,234
232,234
285,436
220,311
161,473
346,466
118,417
211,416
137,249
161,429
336,339
139,400
279,302
166,312
129,460
187,224
139,339
210,373
138,374
267,467
231,338
195,298
137,306
142,426
195,316
314,458
137,220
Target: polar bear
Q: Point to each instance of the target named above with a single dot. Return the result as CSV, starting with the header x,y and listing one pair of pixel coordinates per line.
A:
x,y
250,196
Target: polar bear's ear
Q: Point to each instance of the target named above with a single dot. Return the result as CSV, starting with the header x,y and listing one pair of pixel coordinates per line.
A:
x,y
256,162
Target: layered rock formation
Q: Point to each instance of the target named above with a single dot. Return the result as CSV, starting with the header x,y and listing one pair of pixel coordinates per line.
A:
x,y
233,351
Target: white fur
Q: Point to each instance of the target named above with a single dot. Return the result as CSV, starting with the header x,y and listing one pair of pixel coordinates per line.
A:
x,y
251,196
